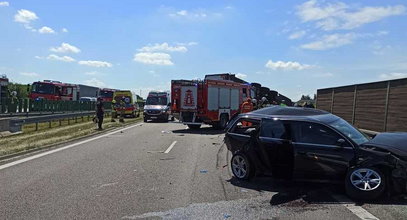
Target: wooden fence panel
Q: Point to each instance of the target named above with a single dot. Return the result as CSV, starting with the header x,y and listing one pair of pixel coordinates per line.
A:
x,y
343,102
324,99
370,106
397,108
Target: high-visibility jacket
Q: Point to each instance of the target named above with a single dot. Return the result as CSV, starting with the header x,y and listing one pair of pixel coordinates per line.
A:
x,y
247,107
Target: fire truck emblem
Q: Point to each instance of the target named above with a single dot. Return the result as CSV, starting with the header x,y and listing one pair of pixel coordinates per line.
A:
x,y
189,98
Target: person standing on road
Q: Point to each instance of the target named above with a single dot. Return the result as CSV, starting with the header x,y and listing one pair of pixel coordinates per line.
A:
x,y
100,112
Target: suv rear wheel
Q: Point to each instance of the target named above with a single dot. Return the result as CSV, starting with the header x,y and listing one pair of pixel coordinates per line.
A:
x,y
223,121
241,167
365,183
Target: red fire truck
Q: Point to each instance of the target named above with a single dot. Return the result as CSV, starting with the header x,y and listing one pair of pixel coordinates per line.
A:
x,y
214,100
107,94
54,90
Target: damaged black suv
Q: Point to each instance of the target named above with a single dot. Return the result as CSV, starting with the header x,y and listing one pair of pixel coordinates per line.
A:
x,y
310,144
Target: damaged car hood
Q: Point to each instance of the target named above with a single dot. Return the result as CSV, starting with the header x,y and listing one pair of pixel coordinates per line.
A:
x,y
393,142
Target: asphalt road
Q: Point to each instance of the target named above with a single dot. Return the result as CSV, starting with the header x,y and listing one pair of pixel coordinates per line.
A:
x,y
163,170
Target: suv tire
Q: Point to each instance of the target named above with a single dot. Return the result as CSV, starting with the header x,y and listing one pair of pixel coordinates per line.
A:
x,y
241,166
365,183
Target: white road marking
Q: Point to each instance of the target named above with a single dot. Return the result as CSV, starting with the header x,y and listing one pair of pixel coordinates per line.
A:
x,y
357,210
170,147
64,148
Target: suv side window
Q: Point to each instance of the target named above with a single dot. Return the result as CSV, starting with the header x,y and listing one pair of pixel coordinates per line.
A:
x,y
312,133
245,126
274,129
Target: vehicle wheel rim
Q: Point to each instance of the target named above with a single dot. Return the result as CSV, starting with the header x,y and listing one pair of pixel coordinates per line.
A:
x,y
239,166
365,179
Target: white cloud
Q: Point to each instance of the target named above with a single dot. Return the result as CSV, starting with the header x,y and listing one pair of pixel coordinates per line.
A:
x,y
46,30
163,59
393,75
29,74
188,14
65,48
280,65
192,43
25,16
332,16
297,35
64,30
95,82
323,75
241,75
95,63
92,73
331,41
163,47
60,58
4,4
379,48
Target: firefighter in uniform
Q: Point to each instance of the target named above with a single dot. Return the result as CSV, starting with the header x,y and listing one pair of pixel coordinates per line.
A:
x,y
247,106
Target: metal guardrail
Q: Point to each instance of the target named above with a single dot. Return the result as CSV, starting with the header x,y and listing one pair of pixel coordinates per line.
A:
x,y
17,123
12,106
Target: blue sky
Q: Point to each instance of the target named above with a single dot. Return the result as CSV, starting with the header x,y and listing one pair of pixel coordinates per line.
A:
x,y
294,47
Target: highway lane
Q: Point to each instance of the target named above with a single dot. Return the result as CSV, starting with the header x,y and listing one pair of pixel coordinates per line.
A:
x,y
127,175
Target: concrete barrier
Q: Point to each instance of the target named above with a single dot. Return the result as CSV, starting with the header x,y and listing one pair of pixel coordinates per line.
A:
x,y
4,124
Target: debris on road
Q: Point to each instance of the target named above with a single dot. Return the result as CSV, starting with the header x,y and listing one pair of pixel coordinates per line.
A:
x,y
166,132
226,216
168,158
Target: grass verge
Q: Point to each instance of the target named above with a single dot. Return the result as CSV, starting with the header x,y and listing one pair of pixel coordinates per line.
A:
x,y
57,134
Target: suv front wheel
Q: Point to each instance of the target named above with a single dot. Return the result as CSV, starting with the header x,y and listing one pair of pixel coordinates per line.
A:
x,y
365,183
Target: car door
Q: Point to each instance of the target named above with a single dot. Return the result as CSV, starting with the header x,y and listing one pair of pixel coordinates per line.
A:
x,y
319,151
238,136
274,146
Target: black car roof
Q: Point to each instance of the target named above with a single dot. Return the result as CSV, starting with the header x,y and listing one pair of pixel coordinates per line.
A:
x,y
293,113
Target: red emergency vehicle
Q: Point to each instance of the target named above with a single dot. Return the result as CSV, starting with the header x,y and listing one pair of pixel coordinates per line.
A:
x,y
214,100
54,90
107,94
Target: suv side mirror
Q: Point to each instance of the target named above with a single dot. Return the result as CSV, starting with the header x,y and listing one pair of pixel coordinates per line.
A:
x,y
341,142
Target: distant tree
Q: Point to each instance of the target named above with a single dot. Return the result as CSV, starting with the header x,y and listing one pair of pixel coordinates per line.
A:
x,y
21,89
306,97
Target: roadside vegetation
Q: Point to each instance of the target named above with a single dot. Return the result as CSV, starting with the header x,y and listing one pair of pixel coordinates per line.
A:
x,y
47,136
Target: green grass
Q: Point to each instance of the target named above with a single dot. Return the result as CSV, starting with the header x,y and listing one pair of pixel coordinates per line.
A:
x,y
45,136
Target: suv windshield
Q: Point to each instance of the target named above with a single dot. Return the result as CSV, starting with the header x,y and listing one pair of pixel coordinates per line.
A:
x,y
346,129
156,101
43,88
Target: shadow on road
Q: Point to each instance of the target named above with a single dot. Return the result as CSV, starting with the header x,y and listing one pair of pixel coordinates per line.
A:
x,y
204,131
293,193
